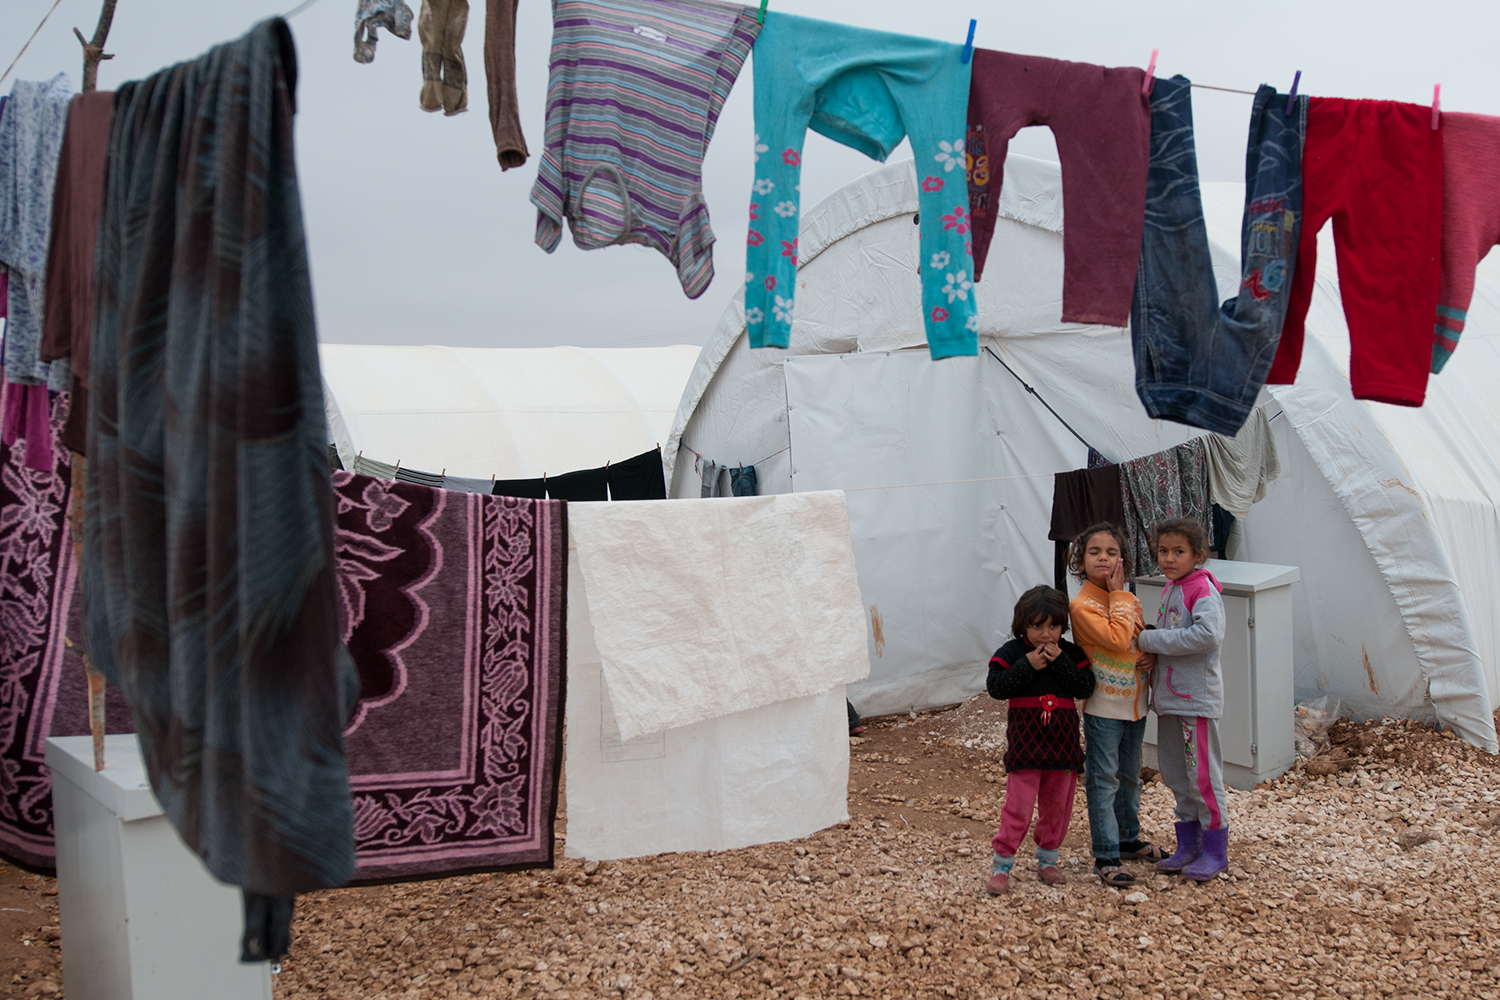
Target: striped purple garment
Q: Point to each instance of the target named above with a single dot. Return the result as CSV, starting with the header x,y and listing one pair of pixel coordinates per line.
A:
x,y
635,90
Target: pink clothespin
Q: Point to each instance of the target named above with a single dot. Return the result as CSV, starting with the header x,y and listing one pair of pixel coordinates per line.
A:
x,y
1150,74
1437,92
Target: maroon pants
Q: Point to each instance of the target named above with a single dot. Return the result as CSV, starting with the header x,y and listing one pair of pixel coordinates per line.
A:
x,y
1102,123
1376,169
1050,793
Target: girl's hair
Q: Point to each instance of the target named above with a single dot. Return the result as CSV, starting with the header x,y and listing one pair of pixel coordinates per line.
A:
x,y
1037,605
1075,551
1188,528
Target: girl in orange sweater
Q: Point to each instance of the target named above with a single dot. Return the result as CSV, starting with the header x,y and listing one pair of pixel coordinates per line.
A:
x,y
1106,620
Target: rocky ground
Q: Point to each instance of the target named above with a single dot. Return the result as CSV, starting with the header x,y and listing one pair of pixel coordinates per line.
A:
x,y
1369,871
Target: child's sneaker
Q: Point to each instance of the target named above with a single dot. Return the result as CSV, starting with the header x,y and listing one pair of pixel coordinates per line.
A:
x,y
998,885
1051,875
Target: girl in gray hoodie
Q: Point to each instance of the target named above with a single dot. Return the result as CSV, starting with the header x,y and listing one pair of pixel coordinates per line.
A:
x,y
1188,694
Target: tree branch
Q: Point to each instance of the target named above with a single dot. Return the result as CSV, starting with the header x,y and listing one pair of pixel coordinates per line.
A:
x,y
93,51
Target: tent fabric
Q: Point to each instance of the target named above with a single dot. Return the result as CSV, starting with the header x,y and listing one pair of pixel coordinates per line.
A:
x,y
773,773
507,413
1418,503
701,610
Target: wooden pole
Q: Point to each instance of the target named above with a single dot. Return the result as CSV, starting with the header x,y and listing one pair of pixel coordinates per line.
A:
x,y
93,55
93,51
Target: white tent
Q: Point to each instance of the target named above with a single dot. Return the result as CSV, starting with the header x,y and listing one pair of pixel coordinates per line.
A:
x,y
1389,512
507,413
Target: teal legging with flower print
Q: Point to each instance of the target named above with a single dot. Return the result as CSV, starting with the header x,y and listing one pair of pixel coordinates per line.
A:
x,y
867,90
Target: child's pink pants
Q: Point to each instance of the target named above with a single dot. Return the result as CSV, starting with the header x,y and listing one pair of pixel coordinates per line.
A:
x,y
1050,794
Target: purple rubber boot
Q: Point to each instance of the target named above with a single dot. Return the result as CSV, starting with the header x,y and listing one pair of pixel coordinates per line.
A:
x,y
1214,859
1189,846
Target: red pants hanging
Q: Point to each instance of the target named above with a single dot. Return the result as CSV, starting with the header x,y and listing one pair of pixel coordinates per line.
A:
x,y
1376,169
1050,793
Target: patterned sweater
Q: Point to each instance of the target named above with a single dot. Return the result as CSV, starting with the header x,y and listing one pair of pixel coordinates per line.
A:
x,y
1038,738
1106,625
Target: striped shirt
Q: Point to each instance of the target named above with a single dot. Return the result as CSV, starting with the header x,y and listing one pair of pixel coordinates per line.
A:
x,y
635,89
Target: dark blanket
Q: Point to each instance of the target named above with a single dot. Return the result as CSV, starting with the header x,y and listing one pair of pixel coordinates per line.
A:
x,y
454,612
43,690
208,575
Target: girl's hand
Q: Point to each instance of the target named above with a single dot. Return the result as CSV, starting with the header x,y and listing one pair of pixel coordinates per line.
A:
x,y
1146,662
1042,655
1117,576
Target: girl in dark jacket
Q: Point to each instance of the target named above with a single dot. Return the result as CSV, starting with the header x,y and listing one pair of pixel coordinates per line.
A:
x,y
1041,674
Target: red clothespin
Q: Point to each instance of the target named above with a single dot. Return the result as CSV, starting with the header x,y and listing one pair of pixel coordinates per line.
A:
x,y
968,52
1150,74
1291,99
1437,93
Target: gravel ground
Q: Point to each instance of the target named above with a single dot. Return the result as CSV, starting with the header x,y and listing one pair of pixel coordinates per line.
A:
x,y
1369,871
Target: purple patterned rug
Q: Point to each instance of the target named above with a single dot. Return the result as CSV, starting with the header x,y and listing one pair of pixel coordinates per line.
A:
x,y
454,613
43,691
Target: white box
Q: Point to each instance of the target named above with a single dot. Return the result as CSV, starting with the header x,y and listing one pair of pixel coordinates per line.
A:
x,y
142,919
1259,701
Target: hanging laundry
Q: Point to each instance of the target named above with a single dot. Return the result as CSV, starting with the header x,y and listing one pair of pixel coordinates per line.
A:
x,y
370,467
68,319
1171,483
459,484
1102,125
31,135
710,477
445,79
633,95
743,481
1197,362
1376,169
638,478
24,415
1471,219
529,489
1223,523
208,439
588,484
867,90
1241,468
371,15
500,82
453,610
435,481
1080,499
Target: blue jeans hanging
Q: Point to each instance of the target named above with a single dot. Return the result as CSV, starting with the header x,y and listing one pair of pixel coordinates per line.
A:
x,y
1197,362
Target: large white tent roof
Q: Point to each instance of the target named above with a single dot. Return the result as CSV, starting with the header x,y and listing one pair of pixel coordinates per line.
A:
x,y
508,413
1390,512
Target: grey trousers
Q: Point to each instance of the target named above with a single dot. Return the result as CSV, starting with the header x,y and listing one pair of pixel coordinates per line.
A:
x,y
1192,765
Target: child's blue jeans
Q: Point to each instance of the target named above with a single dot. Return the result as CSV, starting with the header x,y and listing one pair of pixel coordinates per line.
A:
x,y
1112,782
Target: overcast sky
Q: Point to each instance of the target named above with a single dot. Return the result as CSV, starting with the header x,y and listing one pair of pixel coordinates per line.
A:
x,y
417,237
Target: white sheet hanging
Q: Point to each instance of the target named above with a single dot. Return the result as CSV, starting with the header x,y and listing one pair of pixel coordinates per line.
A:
x,y
704,608
772,773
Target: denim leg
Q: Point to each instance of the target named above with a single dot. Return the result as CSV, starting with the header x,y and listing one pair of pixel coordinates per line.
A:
x,y
1128,799
1101,782
1198,364
1176,302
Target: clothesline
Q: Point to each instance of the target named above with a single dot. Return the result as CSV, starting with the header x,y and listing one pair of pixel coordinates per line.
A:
x,y
698,456
38,31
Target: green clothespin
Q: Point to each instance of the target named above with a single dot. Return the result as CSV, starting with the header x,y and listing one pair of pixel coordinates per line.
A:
x,y
761,17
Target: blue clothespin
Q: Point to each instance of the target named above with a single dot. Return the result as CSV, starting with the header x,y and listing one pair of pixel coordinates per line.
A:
x,y
761,17
1291,99
969,45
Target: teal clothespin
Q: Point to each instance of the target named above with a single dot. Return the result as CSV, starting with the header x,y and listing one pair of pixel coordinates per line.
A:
x,y
761,17
969,45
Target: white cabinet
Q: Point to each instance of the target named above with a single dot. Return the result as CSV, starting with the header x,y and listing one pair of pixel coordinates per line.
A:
x,y
142,919
1256,729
